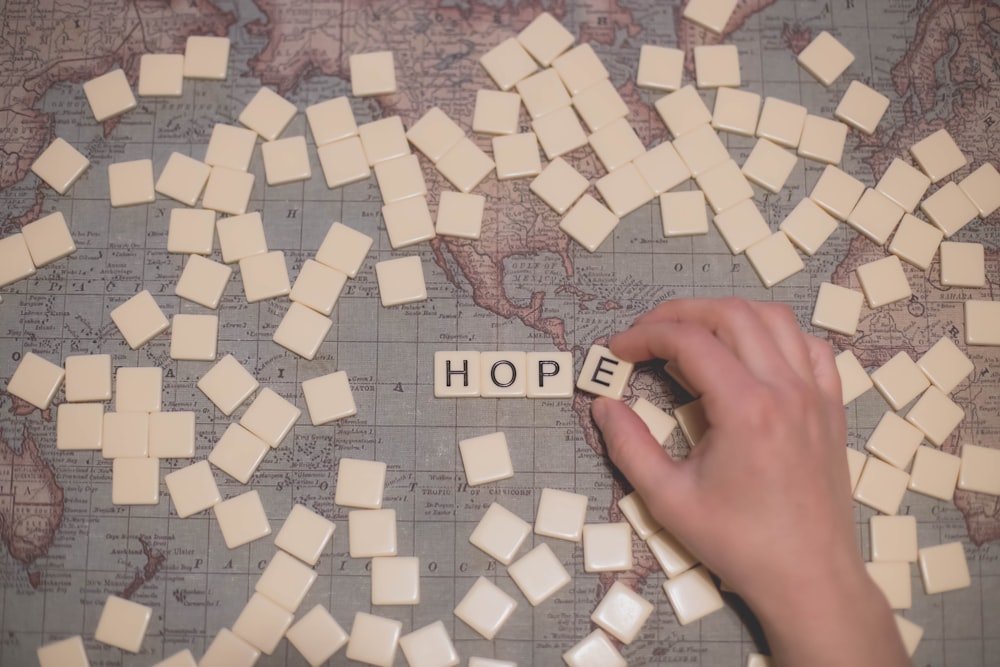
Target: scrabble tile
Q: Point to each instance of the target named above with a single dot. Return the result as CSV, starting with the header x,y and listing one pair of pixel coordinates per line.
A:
x,y
262,623
191,231
331,120
508,63
267,114
736,111
485,608
496,112
758,660
460,214
286,160
980,471
781,122
580,68
561,515
692,421
161,75
893,538
673,557
109,95
183,178
139,389
624,190
683,110
171,434
329,398
724,186
194,337
825,58
903,184
227,384
270,417
60,165
228,650
500,533
559,185
710,14
48,239
982,322
344,249
516,156
238,453
982,187
900,380
637,513
599,104
465,165
861,107
317,636
881,486
603,373
693,595
230,147
559,132
192,489
372,74
395,580
883,281
302,330
769,165
822,139
228,191
318,286
607,547
701,149
717,66
660,68
741,226
616,144
936,415
589,222
360,483
304,534
486,459
938,155
435,133
935,473
15,259
662,168
374,640
774,259
242,519
456,374
916,242
503,374
854,381
622,613
69,652
88,377
963,264
875,216
401,281
659,423
408,221
594,649
910,632
131,182
855,465
123,624
539,574
36,380
206,57
343,162
945,365
893,579
371,533
125,434
545,38
837,309
79,426
265,276
135,481
894,440
944,568
383,139
949,209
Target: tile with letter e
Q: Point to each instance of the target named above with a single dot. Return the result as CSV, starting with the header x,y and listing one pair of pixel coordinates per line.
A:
x,y
135,481
561,515
360,483
267,114
123,624
589,222
238,453
331,120
329,398
270,417
825,58
285,581
456,374
317,636
48,239
60,165
131,183
507,63
603,373
183,178
227,384
485,608
550,374
622,613
344,249
304,534
191,231
161,75
808,226
539,574
373,73
109,95
500,533
401,281
36,380
693,595
486,458
242,519
192,489
861,107
302,330
206,57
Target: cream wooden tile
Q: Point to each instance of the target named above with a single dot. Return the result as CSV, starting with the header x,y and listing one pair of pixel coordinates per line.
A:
x,y
69,652
980,471
60,165
894,440
881,486
622,613
672,556
344,249
194,337
228,191
637,513
774,259
183,178
191,231
559,132
343,162
579,68
302,330
659,423
383,139
125,434
407,222
594,649
982,187
331,120
139,389
270,417
599,104
561,515
875,216
228,650
949,209
624,190
603,373
701,149
916,242
769,165
372,73
503,374
131,182
496,112
265,276
936,415
736,111
435,133
683,213
903,184
822,139
206,57
329,398
48,239
963,264
910,632
317,636
837,192
938,155
944,568
395,580
135,481
660,68
203,281
460,214
109,95
242,519
371,533
485,608
900,380
286,160
516,156
935,473
559,185
854,381
741,226
401,281
683,110
945,365
837,308
781,122
545,38
507,63
692,421
465,165
607,547
15,259
318,286
883,281
305,534
712,15
724,186
855,465
717,65
861,107
539,574
486,458
161,75
123,624
893,538
360,483
758,660
616,143
456,374
227,384
192,489
500,533
374,640
662,168
693,595
230,147
262,623
79,426
589,222
267,114
36,380
982,322
893,579
825,58
171,434
238,453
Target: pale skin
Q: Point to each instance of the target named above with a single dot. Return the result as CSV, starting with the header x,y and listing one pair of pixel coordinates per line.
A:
x,y
764,499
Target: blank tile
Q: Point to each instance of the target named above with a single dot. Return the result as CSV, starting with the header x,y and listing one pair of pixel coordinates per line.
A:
x,y
401,281
693,595
579,68
936,415
456,374
88,377
881,486
545,38
36,380
262,623
717,65
949,209
228,650
329,398
331,120
500,533
854,381
304,534
938,155
603,373
230,147
963,264
855,465
435,133
741,226
781,122
343,162
194,337
408,222
69,652
270,417
400,178
769,165
123,624
861,107
486,458
465,165
559,132
903,184
485,608
916,242
900,380
692,420
935,473
539,574
139,389
171,434
238,453
496,112
662,168
191,231
910,633
15,259
875,216
183,178
109,95
242,519
894,440
507,63
206,57
594,649
48,239
837,192
660,67
460,214
125,434
825,58
774,259
659,423
599,104
228,191
683,110
624,190
372,73
559,185
383,139
736,111
371,533
60,165
724,186
622,613
227,384
516,156
980,469
79,426
589,223
192,489
374,640
883,281
360,483
302,330
637,513
944,568
503,374
607,547
982,187
712,15
317,636
822,139
616,143
945,365
135,481
267,114
671,555
982,322
161,75
318,286
701,149
893,579
395,580
837,309
286,160
893,538
131,182
344,249
265,276
561,514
